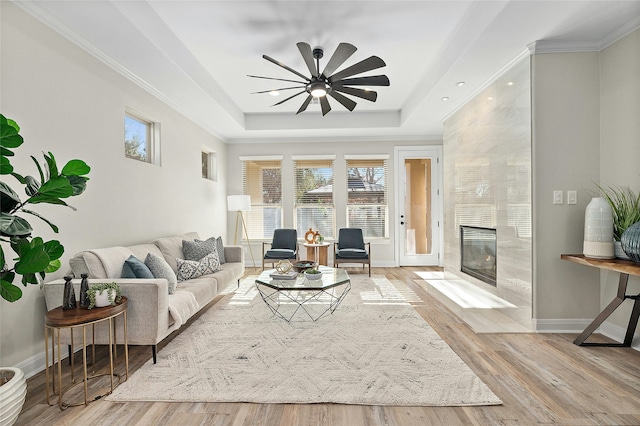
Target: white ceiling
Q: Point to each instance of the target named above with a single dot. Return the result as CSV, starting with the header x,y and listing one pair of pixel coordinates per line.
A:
x,y
196,55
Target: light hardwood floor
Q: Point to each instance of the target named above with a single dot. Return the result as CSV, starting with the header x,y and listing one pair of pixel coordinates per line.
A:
x,y
542,379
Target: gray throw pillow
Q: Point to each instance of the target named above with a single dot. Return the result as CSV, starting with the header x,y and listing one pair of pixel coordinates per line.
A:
x,y
197,249
188,269
220,247
135,268
161,269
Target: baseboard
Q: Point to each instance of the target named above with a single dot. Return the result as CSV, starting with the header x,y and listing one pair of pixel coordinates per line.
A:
x,y
607,329
560,325
617,333
34,365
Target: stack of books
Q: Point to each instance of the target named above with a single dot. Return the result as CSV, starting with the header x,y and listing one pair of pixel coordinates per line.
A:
x,y
291,275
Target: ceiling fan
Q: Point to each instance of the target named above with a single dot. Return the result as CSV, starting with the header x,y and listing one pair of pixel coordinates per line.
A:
x,y
321,84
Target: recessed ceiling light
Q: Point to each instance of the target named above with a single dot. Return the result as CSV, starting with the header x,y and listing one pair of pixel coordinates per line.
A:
x,y
510,83
274,93
446,98
460,83
490,98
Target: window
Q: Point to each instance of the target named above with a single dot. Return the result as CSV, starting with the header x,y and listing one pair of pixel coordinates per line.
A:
x,y
262,181
141,137
209,165
314,206
367,206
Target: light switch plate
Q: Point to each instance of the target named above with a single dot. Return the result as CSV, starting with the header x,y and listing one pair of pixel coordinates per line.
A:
x,y
572,197
558,197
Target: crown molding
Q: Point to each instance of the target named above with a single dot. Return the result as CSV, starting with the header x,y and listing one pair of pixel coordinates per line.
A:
x,y
430,139
567,46
506,67
47,19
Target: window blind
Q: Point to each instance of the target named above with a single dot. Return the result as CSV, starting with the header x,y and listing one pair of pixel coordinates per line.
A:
x,y
314,201
367,197
262,181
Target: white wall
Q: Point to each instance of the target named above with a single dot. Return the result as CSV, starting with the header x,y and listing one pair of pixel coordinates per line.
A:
x,y
382,250
620,143
566,150
68,102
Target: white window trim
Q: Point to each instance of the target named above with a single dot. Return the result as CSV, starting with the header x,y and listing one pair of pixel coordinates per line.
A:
x,y
153,146
213,163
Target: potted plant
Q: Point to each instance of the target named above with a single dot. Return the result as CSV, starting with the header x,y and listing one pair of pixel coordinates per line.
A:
x,y
103,294
34,257
626,211
313,274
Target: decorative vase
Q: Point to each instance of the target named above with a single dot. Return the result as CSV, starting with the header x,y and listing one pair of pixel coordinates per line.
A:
x,y
13,392
69,300
598,229
102,298
84,286
630,241
618,252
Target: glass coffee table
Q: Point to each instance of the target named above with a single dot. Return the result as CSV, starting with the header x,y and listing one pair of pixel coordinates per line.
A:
x,y
315,298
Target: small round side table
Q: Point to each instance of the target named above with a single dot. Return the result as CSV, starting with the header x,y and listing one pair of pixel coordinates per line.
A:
x,y
58,319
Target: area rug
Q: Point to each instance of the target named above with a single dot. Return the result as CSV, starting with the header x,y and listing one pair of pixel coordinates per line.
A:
x,y
373,350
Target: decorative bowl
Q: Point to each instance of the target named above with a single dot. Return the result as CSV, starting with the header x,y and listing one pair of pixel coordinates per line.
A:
x,y
313,277
303,265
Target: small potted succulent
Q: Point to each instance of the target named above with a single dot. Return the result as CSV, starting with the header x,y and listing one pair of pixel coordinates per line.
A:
x,y
103,294
313,274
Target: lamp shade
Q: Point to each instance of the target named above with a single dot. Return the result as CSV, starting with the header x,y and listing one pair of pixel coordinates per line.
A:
x,y
238,203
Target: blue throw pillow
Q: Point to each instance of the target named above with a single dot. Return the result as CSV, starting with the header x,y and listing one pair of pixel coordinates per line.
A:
x,y
135,268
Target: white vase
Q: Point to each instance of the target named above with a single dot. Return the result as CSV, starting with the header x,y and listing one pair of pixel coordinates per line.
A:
x,y
12,396
102,298
598,229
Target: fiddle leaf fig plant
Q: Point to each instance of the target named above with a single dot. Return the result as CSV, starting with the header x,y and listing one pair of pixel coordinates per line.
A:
x,y
35,257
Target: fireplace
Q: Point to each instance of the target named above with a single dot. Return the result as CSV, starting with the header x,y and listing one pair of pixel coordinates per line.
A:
x,y
478,249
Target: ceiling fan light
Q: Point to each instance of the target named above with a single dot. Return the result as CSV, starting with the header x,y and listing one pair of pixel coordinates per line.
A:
x,y
317,89
318,93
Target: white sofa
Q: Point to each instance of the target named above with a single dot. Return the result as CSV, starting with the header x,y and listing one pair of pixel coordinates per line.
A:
x,y
152,312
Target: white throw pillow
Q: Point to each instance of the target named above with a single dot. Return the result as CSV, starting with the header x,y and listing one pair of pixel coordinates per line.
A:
x,y
188,269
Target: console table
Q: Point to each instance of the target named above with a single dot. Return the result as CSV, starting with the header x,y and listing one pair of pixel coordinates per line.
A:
x,y
625,268
58,319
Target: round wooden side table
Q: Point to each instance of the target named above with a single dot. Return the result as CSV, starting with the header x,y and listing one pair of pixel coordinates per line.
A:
x,y
58,319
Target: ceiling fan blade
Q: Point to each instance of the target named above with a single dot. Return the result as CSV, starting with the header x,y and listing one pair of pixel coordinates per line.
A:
x,y
307,55
283,88
305,104
279,79
324,104
280,64
342,53
369,95
371,63
290,97
373,80
346,102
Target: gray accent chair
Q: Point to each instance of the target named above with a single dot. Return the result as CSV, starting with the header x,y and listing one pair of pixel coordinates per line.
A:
x,y
351,248
284,245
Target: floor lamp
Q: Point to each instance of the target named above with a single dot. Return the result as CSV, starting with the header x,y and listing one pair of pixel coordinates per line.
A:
x,y
238,204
